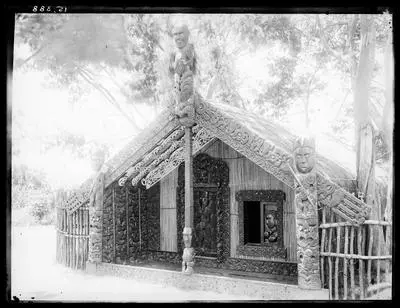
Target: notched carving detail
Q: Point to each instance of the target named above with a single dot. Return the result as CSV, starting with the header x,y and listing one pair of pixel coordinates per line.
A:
x,y
200,139
340,201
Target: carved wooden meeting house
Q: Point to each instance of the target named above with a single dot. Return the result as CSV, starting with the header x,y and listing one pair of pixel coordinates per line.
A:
x,y
210,188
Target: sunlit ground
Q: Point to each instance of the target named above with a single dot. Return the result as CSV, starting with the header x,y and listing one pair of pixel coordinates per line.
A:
x,y
36,276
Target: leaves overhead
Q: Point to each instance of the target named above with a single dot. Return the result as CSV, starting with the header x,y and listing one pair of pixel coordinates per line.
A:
x,y
83,51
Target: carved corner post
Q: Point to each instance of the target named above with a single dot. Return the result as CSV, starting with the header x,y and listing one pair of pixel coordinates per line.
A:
x,y
306,214
96,222
183,67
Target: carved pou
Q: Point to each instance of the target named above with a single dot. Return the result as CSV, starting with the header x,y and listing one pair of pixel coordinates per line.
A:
x,y
183,67
306,214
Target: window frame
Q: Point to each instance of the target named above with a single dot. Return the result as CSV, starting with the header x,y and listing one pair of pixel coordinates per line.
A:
x,y
263,249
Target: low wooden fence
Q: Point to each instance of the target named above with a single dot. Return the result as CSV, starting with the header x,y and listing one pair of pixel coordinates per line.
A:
x,y
72,235
355,260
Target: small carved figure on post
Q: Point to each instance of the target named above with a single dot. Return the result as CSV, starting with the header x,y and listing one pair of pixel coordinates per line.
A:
x,y
188,252
270,229
183,67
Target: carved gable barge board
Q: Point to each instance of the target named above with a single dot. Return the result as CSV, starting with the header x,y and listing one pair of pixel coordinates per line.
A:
x,y
260,151
201,139
151,159
340,201
171,144
154,158
140,145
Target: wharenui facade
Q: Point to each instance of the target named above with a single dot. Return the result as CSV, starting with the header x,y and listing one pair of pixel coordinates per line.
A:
x,y
210,190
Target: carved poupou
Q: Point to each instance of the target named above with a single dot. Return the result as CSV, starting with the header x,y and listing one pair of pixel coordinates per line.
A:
x,y
306,214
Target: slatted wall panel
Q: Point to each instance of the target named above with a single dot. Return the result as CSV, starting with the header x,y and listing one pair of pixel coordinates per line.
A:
x,y
245,175
168,229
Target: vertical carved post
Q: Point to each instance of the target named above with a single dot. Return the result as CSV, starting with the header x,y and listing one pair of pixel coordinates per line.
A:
x,y
306,214
182,67
96,221
188,252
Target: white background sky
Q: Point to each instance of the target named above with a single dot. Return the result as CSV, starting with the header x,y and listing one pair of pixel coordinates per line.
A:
x,y
43,112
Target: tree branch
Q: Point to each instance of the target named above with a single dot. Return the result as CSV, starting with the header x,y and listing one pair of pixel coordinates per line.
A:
x,y
325,41
30,57
86,76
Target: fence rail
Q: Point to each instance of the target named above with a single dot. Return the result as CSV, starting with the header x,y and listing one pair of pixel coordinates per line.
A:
x,y
355,260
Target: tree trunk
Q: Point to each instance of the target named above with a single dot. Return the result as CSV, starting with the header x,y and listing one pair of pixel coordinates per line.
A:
x,y
387,127
364,130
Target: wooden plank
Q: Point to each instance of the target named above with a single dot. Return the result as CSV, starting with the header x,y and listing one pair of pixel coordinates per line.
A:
x,y
85,240
371,238
337,263
342,224
73,241
114,224
127,221
168,224
322,247
352,274
378,266
346,246
69,240
360,264
140,219
330,264
79,238
388,230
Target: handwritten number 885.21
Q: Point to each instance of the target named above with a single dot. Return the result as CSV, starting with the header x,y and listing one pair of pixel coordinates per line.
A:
x,y
42,9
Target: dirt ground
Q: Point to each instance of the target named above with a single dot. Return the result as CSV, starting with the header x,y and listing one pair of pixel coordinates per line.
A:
x,y
35,276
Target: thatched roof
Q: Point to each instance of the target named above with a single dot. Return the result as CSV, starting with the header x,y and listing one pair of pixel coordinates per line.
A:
x,y
159,148
273,133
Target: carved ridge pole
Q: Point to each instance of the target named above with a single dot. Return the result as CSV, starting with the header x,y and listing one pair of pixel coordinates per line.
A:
x,y
182,67
306,214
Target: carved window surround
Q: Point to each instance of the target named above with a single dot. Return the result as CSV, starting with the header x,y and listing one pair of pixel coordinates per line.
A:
x,y
272,250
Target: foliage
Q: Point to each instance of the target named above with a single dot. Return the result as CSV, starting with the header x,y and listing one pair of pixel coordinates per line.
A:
x,y
31,197
131,51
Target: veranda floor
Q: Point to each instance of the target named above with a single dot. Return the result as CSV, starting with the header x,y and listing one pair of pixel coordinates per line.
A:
x,y
222,272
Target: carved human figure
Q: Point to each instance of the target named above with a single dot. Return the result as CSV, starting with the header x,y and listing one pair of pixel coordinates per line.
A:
x,y
183,66
188,252
270,229
304,155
